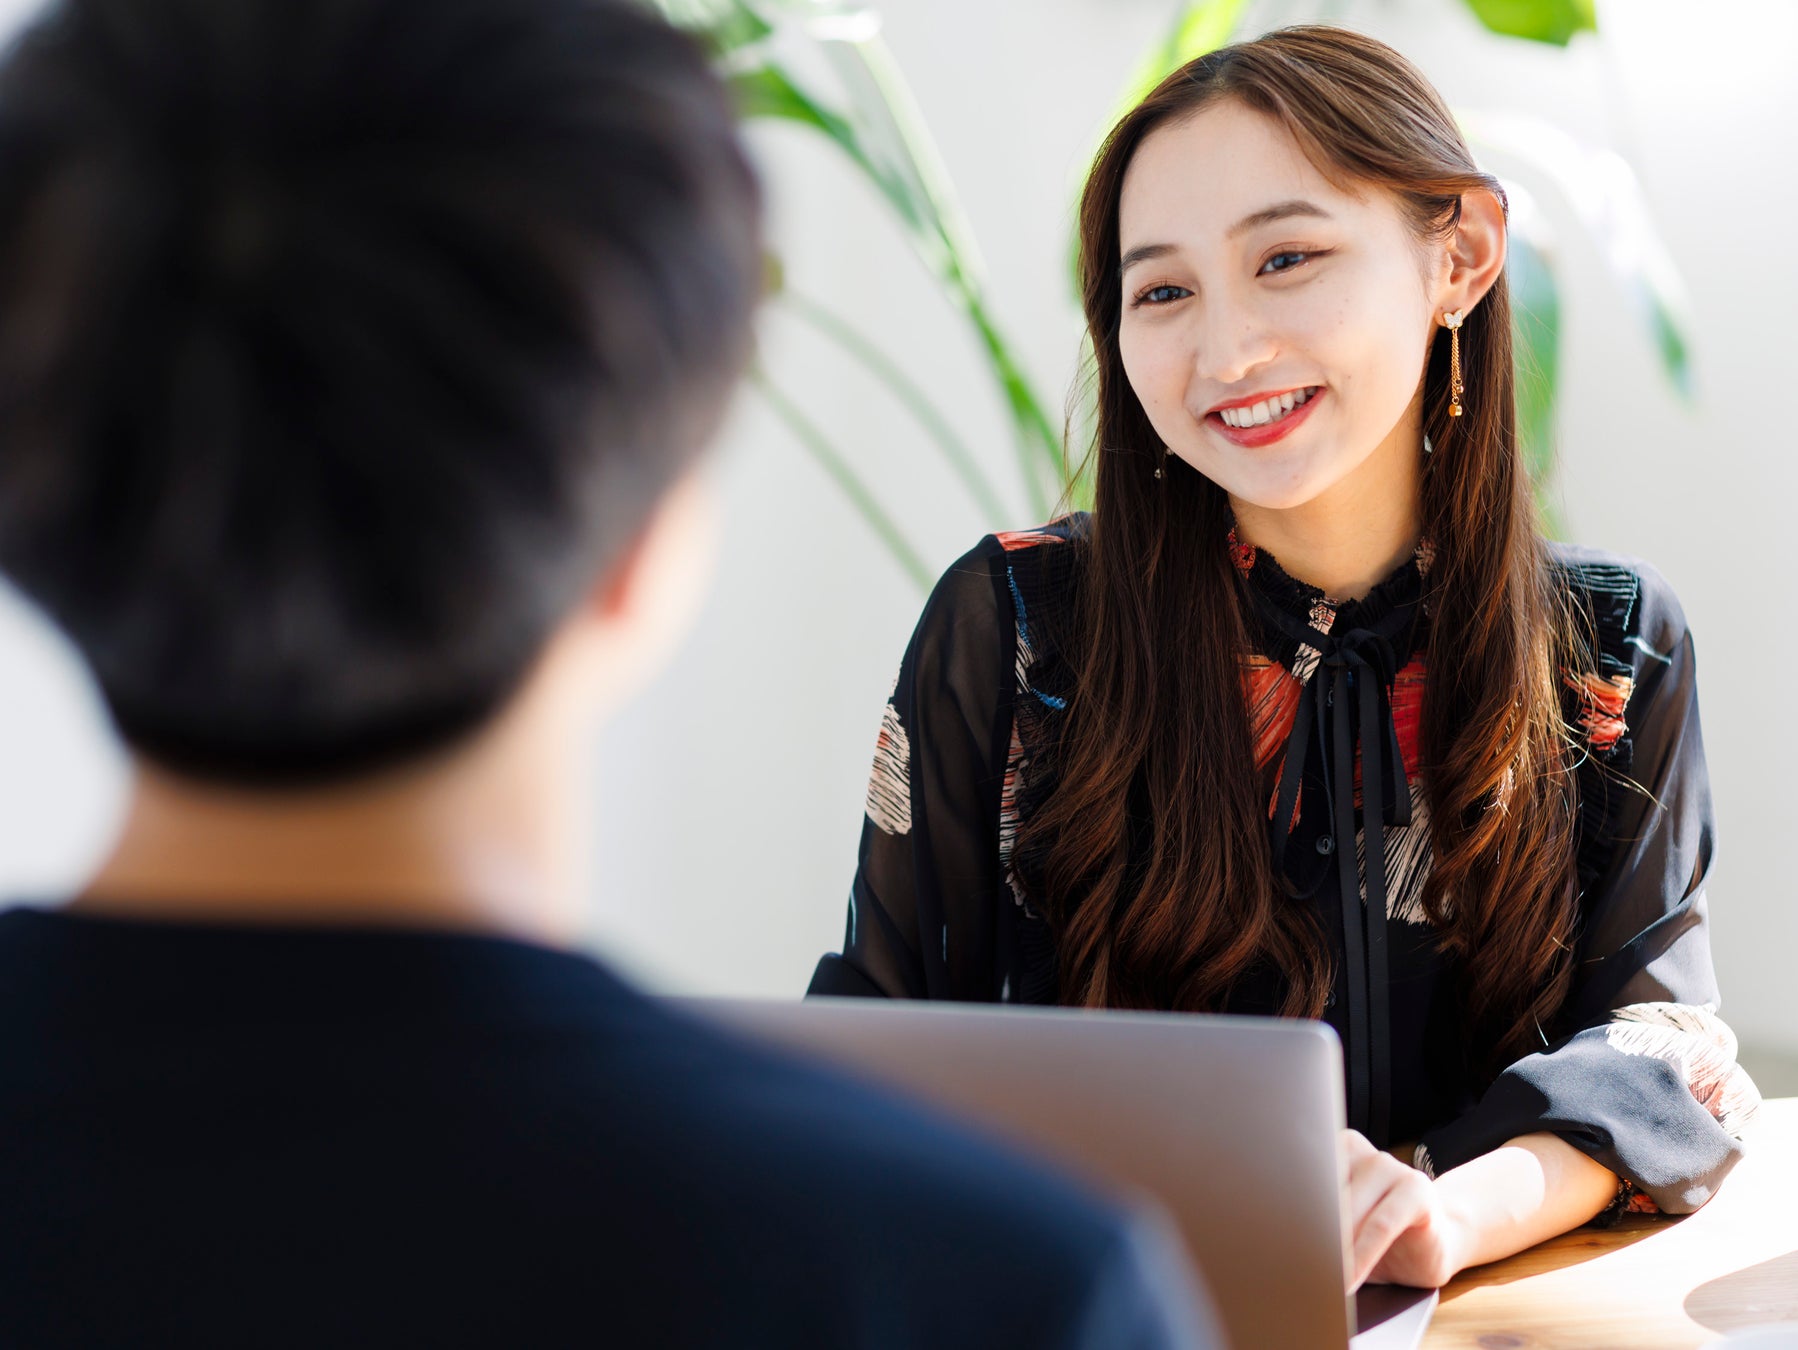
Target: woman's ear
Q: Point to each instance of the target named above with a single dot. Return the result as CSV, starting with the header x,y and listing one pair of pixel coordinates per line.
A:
x,y
1476,253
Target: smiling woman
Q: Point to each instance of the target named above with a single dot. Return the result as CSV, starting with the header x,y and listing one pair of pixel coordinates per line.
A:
x,y
1243,322
1426,775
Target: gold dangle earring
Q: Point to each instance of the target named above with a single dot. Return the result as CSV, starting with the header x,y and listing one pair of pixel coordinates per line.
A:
x,y
1454,362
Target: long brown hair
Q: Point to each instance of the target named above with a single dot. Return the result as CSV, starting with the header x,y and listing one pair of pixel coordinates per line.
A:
x,y
1150,854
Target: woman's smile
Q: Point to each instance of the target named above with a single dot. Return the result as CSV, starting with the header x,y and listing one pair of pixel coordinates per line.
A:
x,y
1262,419
1242,266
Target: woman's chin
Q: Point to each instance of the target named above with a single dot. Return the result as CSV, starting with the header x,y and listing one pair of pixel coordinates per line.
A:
x,y
1268,486
1285,496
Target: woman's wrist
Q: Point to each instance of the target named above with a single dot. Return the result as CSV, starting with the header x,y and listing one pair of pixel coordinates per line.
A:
x,y
1531,1189
1461,1221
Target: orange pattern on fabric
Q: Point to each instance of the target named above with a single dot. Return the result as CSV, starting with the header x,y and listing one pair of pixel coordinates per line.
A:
x,y
1602,699
1407,712
1273,702
1272,694
1243,555
1013,540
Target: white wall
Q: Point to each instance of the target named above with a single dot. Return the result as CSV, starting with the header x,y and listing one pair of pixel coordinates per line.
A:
x,y
730,797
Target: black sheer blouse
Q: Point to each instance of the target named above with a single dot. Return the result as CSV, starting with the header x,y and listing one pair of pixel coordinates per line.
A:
x,y
1638,1072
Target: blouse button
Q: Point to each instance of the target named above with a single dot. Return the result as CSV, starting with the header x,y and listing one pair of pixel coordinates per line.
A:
x,y
1325,844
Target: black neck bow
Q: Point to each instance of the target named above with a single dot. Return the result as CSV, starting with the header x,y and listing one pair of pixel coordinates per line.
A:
x,y
1346,705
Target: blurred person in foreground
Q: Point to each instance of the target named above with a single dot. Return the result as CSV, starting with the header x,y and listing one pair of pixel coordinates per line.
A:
x,y
354,359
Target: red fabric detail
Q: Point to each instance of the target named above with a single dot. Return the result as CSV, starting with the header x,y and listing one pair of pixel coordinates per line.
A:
x,y
1013,540
1602,700
1272,695
1243,555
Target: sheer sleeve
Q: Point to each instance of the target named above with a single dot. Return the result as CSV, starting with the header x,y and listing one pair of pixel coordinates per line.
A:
x,y
921,904
1643,1075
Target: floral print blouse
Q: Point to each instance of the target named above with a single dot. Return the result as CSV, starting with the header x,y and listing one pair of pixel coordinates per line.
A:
x,y
1638,1072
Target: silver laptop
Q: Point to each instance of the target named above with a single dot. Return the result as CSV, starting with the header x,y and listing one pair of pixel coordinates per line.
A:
x,y
1231,1123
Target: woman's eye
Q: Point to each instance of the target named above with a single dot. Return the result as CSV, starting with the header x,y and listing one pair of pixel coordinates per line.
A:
x,y
1288,261
1161,295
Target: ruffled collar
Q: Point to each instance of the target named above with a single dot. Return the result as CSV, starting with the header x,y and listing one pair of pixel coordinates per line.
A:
x,y
1403,587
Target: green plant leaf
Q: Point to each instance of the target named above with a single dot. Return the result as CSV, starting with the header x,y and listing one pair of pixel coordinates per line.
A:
x,y
903,160
1536,323
1199,28
767,91
832,461
1670,342
1551,21
896,137
880,130
910,396
725,26
1603,194
774,274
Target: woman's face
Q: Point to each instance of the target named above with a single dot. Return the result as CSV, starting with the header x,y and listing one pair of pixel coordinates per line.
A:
x,y
1274,327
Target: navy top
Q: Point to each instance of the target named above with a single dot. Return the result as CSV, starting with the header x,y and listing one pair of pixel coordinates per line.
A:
x,y
218,1136
1638,1072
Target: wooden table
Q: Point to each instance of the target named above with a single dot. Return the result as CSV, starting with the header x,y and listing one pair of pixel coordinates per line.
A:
x,y
1651,1283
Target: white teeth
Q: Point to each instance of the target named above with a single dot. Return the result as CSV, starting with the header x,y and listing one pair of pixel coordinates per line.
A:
x,y
1268,410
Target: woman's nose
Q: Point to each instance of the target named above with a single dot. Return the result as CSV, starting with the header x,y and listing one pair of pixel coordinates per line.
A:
x,y
1231,347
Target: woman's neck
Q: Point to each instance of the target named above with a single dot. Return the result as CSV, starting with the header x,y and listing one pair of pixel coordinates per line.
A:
x,y
1352,536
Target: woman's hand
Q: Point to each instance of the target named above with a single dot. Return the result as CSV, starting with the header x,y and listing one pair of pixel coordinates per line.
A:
x,y
1403,1234
1411,1230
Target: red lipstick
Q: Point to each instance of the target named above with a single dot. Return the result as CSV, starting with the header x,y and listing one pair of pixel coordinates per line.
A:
x,y
1268,432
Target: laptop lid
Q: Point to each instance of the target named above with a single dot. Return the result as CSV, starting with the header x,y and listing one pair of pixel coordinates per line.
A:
x,y
1231,1123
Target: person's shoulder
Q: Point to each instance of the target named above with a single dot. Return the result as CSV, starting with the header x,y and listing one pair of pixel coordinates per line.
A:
x,y
1042,564
853,1180
1632,627
1634,612
529,1129
1067,529
1011,582
996,561
874,1146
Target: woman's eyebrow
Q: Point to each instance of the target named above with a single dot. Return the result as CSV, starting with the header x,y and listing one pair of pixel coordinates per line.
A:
x,y
1142,253
1266,216
1278,211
